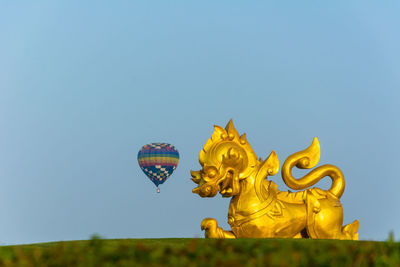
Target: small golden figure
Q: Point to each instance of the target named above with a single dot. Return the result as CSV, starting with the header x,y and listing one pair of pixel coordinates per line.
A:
x,y
257,208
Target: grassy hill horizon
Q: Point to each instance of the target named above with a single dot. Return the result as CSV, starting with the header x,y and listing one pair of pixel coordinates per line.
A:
x,y
202,252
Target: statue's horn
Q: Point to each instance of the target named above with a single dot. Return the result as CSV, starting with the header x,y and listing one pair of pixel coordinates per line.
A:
x,y
232,132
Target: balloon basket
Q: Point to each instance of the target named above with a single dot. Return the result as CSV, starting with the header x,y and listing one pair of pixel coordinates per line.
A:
x,y
158,190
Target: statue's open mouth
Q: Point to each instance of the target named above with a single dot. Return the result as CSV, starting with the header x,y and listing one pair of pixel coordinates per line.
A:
x,y
226,186
229,186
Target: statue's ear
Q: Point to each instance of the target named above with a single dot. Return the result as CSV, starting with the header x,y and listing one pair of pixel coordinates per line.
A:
x,y
270,166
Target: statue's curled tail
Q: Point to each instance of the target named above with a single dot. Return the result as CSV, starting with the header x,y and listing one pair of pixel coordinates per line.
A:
x,y
307,159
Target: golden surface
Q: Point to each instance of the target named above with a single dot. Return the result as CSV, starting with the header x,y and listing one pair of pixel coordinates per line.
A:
x,y
257,208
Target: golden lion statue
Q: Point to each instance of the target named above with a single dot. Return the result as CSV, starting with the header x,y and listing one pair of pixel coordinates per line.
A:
x,y
257,208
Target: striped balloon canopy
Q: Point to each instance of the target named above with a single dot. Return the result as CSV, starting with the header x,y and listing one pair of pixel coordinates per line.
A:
x,y
158,161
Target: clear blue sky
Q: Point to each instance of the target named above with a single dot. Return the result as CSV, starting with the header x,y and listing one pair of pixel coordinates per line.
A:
x,y
83,85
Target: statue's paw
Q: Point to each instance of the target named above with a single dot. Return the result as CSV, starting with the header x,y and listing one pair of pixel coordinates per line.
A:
x,y
209,224
211,228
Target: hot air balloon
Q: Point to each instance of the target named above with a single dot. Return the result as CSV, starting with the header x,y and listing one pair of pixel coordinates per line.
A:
x,y
158,161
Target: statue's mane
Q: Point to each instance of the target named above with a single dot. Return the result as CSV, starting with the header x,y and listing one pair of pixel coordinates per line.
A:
x,y
229,137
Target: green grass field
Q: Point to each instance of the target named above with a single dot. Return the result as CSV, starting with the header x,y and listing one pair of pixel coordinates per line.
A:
x,y
203,252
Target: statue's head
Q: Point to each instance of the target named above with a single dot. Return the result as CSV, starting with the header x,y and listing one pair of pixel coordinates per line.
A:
x,y
226,159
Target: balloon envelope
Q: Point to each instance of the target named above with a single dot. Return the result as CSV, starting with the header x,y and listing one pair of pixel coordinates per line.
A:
x,y
158,161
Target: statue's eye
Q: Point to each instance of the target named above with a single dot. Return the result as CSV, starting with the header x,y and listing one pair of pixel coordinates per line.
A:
x,y
211,173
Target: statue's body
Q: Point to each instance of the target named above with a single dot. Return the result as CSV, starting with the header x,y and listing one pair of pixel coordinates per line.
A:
x,y
257,208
